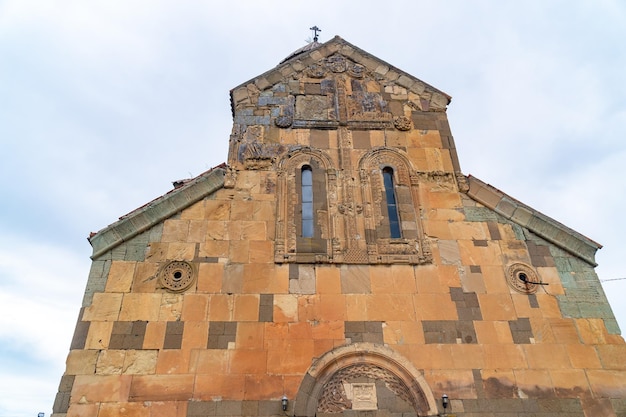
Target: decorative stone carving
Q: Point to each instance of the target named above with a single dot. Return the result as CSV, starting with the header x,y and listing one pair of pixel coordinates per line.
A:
x,y
356,70
336,63
347,389
176,276
230,178
316,70
402,123
522,278
283,121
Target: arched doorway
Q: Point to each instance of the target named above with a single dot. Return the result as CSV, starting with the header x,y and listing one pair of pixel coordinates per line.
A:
x,y
365,379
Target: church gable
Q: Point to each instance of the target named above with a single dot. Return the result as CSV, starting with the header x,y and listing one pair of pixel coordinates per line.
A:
x,y
333,86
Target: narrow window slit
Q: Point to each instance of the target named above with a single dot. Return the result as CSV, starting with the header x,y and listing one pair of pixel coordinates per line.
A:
x,y
392,207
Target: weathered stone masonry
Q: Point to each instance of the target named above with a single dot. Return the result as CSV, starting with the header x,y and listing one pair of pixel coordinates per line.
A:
x,y
210,301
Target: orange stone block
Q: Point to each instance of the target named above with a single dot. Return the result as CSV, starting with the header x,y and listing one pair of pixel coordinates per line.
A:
x,y
265,279
195,335
217,209
219,386
214,249
261,251
248,361
300,330
323,346
402,279
332,307
564,331
104,307
252,230
143,280
328,280
262,387
99,335
140,306
494,279
522,306
171,307
264,210
469,231
613,357
607,383
130,409
220,307
432,356
276,331
397,307
292,356
250,335
549,306
533,382
583,356
210,277
195,307
592,331
466,356
285,308
457,384
120,276
486,332
175,230
570,383
173,361
181,251
101,388
435,307
155,335
196,211
161,387
550,275
216,230
81,362
480,255
83,410
439,229
403,333
496,307
546,356
197,231
356,307
209,361
246,307
504,357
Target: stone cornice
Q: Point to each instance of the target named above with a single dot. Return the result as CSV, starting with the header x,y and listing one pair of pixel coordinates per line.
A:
x,y
142,219
538,223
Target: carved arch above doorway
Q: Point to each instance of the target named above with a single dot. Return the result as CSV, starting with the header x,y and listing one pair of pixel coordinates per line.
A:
x,y
361,362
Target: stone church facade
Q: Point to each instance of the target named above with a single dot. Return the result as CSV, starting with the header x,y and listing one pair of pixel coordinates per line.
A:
x,y
341,264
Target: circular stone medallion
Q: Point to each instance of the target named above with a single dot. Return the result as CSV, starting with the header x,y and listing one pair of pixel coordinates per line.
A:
x,y
176,276
522,278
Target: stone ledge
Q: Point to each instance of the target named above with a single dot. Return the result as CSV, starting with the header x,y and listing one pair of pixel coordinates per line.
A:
x,y
156,211
538,223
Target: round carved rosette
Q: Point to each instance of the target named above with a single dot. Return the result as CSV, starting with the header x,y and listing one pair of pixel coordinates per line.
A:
x,y
402,123
283,121
522,278
177,276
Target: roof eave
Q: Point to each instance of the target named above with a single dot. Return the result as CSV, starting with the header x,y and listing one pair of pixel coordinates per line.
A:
x,y
142,219
538,223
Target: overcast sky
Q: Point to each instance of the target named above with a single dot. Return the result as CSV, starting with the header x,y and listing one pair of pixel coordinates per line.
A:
x,y
104,103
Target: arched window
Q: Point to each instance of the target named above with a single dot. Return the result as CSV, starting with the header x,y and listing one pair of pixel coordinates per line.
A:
x,y
392,207
307,201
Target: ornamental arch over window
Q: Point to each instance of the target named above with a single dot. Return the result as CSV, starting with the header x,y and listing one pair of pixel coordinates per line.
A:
x,y
393,230
304,228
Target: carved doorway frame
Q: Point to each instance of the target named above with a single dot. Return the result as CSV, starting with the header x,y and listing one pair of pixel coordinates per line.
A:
x,y
324,368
